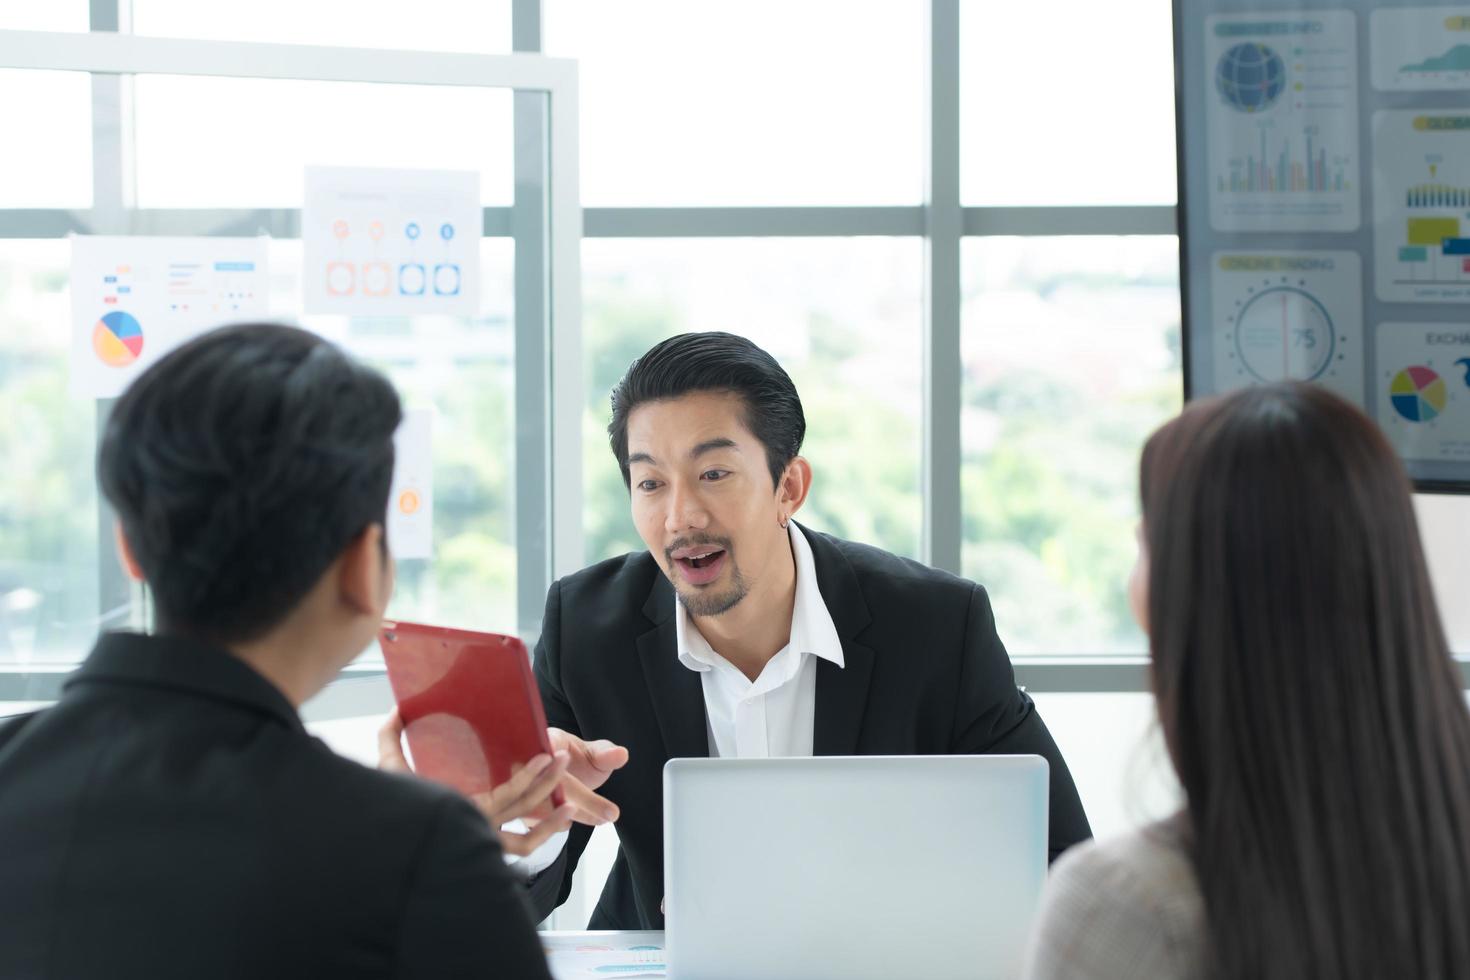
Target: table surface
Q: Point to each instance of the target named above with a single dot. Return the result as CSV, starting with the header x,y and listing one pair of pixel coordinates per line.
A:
x,y
600,955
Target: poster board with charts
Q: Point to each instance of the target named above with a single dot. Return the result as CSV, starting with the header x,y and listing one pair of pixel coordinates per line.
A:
x,y
135,299
391,242
1324,210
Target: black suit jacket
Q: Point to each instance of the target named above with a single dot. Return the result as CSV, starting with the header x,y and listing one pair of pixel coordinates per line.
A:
x,y
170,817
925,674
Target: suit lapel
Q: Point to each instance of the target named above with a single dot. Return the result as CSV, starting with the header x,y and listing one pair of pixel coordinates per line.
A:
x,y
675,690
842,692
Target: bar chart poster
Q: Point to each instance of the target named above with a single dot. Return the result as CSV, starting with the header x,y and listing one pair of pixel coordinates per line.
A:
x,y
135,299
391,242
1421,205
1424,389
1288,316
1420,49
1282,121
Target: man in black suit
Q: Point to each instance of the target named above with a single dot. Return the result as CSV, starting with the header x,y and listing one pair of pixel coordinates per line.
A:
x,y
170,816
739,633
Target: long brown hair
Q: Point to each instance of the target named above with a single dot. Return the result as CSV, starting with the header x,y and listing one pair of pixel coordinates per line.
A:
x,y
1306,692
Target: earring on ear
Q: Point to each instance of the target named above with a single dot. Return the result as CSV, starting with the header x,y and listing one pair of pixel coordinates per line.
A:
x,y
785,521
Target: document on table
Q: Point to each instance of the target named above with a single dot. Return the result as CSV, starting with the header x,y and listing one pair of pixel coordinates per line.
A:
x,y
600,955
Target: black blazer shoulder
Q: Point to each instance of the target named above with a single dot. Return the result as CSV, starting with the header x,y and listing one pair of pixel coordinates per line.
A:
x,y
171,817
889,584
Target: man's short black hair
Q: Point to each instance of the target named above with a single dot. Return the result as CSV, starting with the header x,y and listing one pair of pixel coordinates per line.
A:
x,y
716,362
241,465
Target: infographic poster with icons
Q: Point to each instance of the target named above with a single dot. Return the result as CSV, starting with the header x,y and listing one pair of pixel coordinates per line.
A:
x,y
1282,121
1424,389
135,299
1288,316
1420,49
391,242
1421,205
411,501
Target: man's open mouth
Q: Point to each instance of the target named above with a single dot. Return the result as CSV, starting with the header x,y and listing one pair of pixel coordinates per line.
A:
x,y
699,564
700,561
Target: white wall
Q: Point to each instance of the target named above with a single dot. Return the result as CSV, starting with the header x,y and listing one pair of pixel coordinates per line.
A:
x,y
1444,524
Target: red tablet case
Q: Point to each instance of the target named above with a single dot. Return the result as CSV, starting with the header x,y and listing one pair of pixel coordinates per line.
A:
x,y
470,707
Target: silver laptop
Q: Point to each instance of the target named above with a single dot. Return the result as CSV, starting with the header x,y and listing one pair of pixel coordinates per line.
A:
x,y
867,867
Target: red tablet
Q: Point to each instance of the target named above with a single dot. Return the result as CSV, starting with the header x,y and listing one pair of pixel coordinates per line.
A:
x,y
470,707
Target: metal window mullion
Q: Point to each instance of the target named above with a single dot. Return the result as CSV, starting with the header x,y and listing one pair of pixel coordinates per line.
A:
x,y
1048,221
113,195
528,225
940,542
897,221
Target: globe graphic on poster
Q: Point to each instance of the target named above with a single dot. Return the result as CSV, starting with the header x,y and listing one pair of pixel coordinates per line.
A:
x,y
1250,77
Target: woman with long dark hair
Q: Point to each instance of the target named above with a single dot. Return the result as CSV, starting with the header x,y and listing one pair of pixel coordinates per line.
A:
x,y
1309,705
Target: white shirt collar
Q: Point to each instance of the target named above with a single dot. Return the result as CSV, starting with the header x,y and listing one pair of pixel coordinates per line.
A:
x,y
812,629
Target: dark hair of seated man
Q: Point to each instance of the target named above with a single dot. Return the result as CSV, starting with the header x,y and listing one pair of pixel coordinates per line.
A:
x,y
240,467
170,816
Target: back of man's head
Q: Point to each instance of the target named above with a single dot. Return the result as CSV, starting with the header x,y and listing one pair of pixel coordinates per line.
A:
x,y
241,465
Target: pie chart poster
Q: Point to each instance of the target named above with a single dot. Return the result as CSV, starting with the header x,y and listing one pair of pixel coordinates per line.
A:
x,y
1423,388
135,299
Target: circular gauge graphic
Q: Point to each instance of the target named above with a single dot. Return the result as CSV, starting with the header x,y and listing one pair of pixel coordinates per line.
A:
x,y
1250,77
118,339
1418,394
1284,332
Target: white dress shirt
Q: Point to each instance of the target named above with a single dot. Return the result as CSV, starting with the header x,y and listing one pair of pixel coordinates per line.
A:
x,y
771,716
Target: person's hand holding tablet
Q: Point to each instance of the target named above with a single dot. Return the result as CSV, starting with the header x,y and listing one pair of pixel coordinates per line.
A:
x,y
473,719
522,797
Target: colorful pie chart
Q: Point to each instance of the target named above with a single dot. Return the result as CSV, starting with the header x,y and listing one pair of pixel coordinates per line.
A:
x,y
1418,394
118,339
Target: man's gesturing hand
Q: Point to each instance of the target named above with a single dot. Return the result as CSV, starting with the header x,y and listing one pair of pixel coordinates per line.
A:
x,y
588,766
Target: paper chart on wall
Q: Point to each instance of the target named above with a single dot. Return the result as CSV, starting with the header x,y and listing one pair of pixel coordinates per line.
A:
x,y
391,242
411,500
1288,316
1421,205
1424,389
133,299
1282,121
1420,49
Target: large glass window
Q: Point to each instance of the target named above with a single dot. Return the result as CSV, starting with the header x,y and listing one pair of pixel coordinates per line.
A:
x,y
463,370
1070,102
48,492
481,26
762,103
843,316
240,142
46,117
1070,352
54,15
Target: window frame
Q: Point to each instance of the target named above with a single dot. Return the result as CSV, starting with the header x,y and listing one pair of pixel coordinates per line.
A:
x,y
544,221
548,358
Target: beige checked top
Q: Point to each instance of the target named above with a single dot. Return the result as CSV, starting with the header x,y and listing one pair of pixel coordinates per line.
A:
x,y
1128,908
